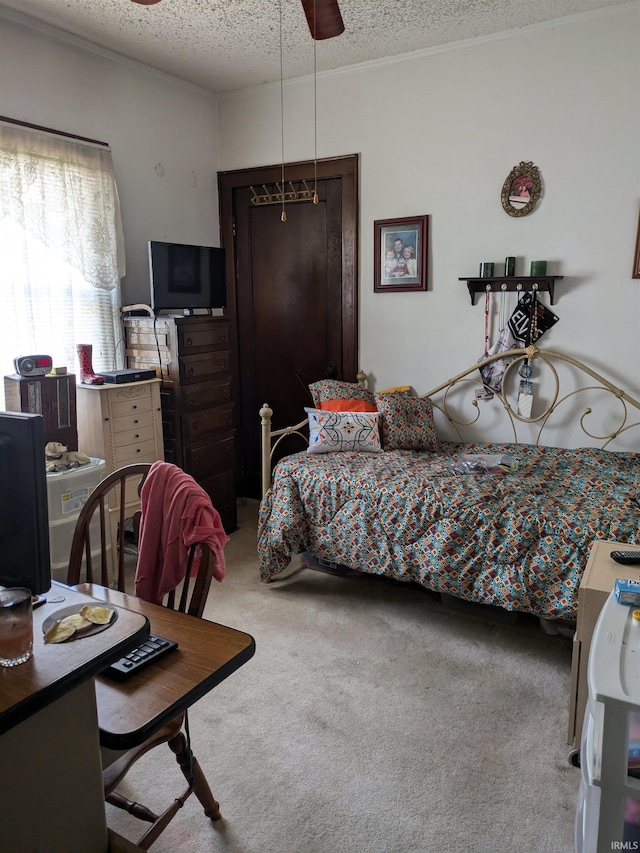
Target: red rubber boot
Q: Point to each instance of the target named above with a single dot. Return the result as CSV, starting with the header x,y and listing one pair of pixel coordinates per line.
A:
x,y
87,376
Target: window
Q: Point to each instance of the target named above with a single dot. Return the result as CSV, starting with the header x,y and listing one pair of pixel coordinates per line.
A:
x,y
61,250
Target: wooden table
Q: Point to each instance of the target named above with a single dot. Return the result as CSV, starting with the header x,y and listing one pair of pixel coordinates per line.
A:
x,y
51,793
56,668
130,711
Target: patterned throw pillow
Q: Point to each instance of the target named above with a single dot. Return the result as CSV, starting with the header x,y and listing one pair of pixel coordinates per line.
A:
x,y
333,431
406,422
336,389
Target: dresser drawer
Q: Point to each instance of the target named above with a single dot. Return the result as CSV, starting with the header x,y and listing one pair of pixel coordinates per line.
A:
x,y
206,335
132,406
203,365
204,394
132,421
143,451
206,458
199,425
135,436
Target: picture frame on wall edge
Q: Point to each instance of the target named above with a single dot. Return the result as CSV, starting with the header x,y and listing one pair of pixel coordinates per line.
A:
x,y
400,254
636,257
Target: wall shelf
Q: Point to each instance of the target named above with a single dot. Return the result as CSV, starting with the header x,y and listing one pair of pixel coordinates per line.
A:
x,y
512,283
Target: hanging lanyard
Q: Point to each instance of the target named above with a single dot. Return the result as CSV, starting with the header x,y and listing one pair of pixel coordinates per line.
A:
x,y
487,303
525,396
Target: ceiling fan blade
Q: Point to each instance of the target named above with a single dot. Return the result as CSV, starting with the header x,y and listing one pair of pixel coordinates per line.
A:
x,y
324,18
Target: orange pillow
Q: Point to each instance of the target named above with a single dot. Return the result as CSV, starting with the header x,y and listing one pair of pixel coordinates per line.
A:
x,y
347,406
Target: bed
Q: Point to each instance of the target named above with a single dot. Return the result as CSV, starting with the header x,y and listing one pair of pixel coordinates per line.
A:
x,y
506,522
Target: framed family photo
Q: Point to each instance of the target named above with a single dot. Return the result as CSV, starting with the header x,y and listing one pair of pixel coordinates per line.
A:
x,y
400,254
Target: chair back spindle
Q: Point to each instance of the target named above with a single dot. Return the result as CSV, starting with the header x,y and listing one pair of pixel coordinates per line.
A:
x,y
93,539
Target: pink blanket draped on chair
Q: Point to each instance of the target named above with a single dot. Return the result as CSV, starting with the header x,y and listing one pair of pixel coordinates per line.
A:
x,y
176,513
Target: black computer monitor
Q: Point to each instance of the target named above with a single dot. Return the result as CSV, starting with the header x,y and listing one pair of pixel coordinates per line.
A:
x,y
24,517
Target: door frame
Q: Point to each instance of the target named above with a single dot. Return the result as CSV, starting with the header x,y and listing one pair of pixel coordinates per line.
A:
x,y
347,170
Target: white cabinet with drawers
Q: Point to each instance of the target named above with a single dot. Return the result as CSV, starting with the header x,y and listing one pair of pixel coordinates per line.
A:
x,y
121,424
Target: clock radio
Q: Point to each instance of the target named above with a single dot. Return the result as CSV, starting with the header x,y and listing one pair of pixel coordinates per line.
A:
x,y
33,365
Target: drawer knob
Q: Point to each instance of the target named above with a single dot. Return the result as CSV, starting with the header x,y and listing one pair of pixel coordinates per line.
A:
x,y
190,371
135,407
223,365
192,401
136,421
188,342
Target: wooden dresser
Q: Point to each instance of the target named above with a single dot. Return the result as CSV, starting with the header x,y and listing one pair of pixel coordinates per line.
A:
x,y
193,357
121,424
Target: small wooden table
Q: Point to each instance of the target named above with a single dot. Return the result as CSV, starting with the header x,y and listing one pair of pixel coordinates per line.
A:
x,y
130,711
51,792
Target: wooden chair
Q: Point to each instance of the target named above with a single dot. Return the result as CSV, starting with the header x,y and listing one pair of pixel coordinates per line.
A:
x,y
192,600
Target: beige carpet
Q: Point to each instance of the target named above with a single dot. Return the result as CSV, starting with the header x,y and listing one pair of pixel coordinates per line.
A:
x,y
372,719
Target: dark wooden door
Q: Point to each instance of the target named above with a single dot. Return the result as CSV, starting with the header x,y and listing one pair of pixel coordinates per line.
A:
x,y
295,294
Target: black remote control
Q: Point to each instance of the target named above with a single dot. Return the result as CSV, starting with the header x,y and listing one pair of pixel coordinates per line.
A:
x,y
152,649
626,558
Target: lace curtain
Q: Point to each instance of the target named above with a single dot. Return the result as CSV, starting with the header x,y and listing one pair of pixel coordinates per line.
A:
x,y
62,249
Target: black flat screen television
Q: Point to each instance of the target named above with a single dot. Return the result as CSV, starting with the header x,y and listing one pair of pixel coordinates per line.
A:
x,y
186,277
24,511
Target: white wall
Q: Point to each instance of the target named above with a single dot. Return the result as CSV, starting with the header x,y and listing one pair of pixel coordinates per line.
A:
x,y
147,119
438,134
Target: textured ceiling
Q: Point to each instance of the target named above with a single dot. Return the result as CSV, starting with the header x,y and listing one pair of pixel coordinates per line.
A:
x,y
225,45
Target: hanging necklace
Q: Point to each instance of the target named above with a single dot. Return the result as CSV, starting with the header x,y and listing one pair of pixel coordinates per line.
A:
x,y
533,337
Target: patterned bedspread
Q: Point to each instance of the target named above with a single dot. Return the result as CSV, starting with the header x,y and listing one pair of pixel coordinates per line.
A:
x,y
519,540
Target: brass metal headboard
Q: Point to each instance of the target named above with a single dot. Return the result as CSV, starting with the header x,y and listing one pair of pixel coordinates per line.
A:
x,y
444,399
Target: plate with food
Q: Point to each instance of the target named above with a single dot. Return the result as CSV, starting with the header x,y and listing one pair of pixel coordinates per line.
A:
x,y
77,621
